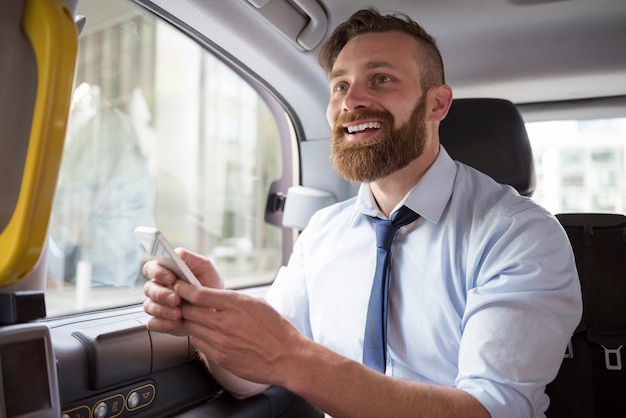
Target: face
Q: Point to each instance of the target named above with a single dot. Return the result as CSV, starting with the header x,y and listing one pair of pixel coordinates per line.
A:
x,y
377,107
390,149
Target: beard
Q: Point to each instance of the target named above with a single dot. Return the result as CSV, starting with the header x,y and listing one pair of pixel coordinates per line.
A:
x,y
386,152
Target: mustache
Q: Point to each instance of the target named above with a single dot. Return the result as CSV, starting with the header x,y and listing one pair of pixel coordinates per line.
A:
x,y
359,114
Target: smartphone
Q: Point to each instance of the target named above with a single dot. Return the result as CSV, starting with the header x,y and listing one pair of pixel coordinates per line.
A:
x,y
162,251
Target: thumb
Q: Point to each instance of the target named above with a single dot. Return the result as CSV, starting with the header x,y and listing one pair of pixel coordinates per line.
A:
x,y
202,268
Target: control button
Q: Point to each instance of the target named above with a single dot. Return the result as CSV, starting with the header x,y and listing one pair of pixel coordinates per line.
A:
x,y
133,400
78,412
147,394
140,397
100,411
116,403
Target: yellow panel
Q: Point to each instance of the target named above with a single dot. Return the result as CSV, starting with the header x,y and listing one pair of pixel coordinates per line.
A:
x,y
50,27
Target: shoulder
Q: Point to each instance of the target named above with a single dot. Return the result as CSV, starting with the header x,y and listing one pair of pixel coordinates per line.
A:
x,y
335,215
483,202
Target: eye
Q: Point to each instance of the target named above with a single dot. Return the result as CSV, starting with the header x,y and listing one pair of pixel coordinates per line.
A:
x,y
339,87
381,79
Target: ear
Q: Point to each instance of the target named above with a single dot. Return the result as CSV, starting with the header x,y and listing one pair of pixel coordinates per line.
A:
x,y
440,100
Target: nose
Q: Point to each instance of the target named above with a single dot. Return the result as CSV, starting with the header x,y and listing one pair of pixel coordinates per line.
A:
x,y
357,97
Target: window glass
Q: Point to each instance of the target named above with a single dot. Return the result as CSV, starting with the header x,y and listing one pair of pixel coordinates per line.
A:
x,y
580,164
161,133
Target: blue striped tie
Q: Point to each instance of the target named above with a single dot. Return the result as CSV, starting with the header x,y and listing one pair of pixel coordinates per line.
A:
x,y
375,339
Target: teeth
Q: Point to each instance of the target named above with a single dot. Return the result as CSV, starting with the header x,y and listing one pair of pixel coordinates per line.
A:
x,y
364,126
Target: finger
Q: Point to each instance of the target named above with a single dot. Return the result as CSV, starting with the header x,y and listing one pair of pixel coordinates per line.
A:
x,y
167,326
161,294
163,318
206,317
162,311
154,271
217,299
202,268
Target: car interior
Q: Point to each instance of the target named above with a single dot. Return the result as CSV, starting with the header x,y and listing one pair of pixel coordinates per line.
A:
x,y
207,119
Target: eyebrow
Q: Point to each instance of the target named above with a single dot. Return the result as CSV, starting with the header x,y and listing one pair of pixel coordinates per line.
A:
x,y
369,65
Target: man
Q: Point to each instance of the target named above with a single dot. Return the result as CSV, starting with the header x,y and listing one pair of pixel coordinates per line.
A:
x,y
483,295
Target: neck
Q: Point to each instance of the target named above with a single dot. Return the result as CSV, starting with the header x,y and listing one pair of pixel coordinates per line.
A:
x,y
389,191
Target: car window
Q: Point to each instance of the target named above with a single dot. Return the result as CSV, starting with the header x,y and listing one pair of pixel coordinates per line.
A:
x,y
580,164
161,133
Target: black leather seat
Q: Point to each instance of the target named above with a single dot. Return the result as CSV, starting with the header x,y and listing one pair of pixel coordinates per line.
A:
x,y
490,136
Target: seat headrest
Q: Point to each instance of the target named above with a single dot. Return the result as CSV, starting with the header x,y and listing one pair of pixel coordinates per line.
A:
x,y
490,136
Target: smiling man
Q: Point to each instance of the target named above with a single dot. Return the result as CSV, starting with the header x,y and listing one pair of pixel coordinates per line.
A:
x,y
364,93
479,297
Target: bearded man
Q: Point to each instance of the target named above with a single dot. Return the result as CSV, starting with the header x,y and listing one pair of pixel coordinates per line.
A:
x,y
482,292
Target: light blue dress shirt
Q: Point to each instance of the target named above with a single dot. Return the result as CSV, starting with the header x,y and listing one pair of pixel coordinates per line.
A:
x,y
484,293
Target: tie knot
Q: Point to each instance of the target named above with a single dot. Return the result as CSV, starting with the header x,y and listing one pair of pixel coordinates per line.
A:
x,y
386,229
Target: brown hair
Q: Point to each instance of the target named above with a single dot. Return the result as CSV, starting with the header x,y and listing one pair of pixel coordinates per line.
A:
x,y
370,20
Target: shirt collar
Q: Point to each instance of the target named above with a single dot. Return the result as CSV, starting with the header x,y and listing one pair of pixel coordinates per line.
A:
x,y
428,197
